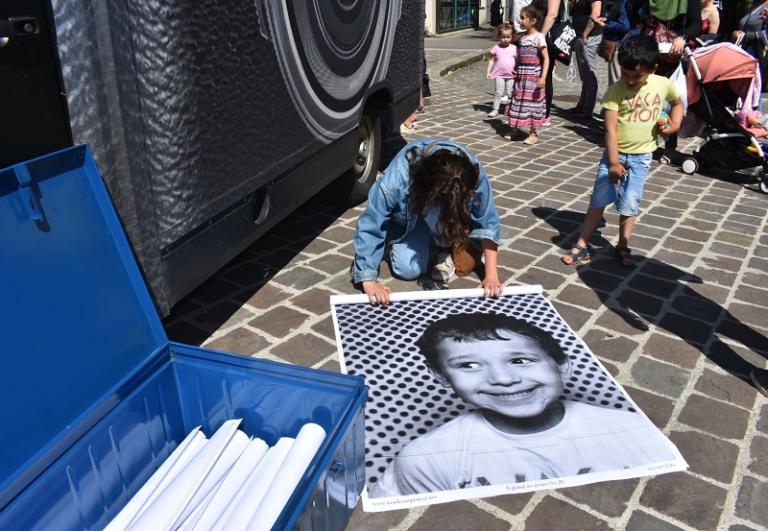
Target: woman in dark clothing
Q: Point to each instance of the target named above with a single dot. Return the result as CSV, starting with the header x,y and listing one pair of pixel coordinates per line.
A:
x,y
754,38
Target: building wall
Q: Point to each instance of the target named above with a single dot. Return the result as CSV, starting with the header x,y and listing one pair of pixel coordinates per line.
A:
x,y
432,8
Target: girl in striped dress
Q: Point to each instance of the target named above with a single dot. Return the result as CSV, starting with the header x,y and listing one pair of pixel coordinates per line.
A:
x,y
528,106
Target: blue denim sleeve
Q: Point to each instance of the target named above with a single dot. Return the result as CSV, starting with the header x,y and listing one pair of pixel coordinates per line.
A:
x,y
485,218
370,235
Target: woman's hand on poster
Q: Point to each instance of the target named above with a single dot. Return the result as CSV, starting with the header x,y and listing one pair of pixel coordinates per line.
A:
x,y
377,294
491,286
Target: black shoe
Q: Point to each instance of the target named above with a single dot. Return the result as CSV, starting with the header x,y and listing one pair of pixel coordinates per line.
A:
x,y
760,380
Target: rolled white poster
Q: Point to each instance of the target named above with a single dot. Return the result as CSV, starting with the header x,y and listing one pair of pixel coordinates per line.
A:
x,y
247,500
308,441
212,511
197,479
165,473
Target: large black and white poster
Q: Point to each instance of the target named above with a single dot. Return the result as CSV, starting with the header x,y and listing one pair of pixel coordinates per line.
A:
x,y
473,397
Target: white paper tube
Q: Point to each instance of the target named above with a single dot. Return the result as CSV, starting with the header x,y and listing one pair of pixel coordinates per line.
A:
x,y
247,500
197,479
308,441
158,480
230,485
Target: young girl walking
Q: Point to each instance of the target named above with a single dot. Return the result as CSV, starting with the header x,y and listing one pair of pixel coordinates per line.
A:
x,y
501,65
528,106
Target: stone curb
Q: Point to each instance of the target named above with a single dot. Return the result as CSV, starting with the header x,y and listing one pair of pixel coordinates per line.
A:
x,y
447,71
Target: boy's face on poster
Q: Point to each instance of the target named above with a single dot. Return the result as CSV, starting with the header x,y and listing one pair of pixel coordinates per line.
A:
x,y
513,377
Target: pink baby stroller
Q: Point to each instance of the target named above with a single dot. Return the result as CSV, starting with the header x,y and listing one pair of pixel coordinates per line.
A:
x,y
719,75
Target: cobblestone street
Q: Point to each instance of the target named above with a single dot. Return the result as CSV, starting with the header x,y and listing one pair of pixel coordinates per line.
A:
x,y
668,330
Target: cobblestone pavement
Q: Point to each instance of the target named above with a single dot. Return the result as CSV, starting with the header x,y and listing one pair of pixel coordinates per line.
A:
x,y
697,299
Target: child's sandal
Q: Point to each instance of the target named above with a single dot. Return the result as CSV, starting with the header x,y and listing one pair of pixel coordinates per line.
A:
x,y
577,255
624,256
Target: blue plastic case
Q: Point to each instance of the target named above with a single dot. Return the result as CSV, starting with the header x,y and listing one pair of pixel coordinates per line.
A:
x,y
94,396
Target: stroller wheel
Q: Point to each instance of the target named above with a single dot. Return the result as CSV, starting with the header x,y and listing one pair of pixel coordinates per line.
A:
x,y
690,165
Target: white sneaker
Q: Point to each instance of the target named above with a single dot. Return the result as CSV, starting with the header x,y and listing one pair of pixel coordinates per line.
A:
x,y
493,114
444,270
505,99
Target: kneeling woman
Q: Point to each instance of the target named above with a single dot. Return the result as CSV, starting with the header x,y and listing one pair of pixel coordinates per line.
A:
x,y
434,199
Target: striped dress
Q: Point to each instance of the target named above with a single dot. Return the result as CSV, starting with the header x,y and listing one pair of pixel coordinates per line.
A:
x,y
527,107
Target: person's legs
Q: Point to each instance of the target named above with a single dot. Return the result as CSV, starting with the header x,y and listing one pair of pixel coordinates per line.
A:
x,y
603,194
510,87
499,87
626,225
630,195
533,137
409,257
670,144
549,86
589,82
591,221
580,55
614,70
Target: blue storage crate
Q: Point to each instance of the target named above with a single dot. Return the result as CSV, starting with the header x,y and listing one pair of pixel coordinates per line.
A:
x,y
94,396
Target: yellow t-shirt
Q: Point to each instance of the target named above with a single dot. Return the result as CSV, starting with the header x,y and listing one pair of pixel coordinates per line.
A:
x,y
638,112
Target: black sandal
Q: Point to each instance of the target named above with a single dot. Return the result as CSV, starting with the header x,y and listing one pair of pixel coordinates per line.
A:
x,y
624,256
583,254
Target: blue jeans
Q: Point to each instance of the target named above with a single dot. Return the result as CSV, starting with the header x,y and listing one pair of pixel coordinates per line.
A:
x,y
409,257
628,192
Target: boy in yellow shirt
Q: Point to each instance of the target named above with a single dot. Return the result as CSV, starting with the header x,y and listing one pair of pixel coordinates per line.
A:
x,y
632,108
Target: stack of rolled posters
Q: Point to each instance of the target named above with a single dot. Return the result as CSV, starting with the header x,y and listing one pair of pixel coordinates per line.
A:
x,y
227,482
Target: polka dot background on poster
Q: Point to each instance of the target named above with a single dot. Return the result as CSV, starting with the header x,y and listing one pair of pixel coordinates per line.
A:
x,y
405,401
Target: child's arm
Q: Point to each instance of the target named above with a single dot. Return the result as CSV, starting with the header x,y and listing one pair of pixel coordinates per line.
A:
x,y
488,70
490,284
675,118
615,169
544,67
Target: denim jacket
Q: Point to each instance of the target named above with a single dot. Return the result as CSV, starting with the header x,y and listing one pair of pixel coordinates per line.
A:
x,y
388,218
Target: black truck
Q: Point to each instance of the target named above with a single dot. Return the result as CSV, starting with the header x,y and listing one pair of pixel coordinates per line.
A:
x,y
210,120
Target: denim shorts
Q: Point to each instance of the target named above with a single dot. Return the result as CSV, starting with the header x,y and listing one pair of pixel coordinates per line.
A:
x,y
628,192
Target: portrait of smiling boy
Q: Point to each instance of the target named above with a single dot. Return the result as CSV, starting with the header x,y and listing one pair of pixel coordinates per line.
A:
x,y
521,429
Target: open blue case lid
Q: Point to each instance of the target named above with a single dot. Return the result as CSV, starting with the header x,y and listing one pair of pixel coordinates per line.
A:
x,y
76,317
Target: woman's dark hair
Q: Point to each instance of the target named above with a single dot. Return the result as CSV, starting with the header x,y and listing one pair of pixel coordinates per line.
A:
x,y
534,13
445,180
639,50
466,327
501,28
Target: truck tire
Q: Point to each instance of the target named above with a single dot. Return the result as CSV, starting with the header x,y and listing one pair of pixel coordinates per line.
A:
x,y
354,184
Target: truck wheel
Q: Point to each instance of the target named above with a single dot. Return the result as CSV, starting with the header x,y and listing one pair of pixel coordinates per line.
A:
x,y
357,180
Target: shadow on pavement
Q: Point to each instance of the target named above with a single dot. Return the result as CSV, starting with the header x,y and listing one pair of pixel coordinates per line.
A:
x,y
640,297
589,130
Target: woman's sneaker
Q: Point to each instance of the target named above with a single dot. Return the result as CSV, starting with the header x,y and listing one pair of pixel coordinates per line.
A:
x,y
493,114
444,269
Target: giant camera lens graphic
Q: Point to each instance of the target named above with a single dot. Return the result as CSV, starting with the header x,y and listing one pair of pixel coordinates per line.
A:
x,y
331,52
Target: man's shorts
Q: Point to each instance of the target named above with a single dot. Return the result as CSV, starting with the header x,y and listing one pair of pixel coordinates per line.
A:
x,y
628,192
